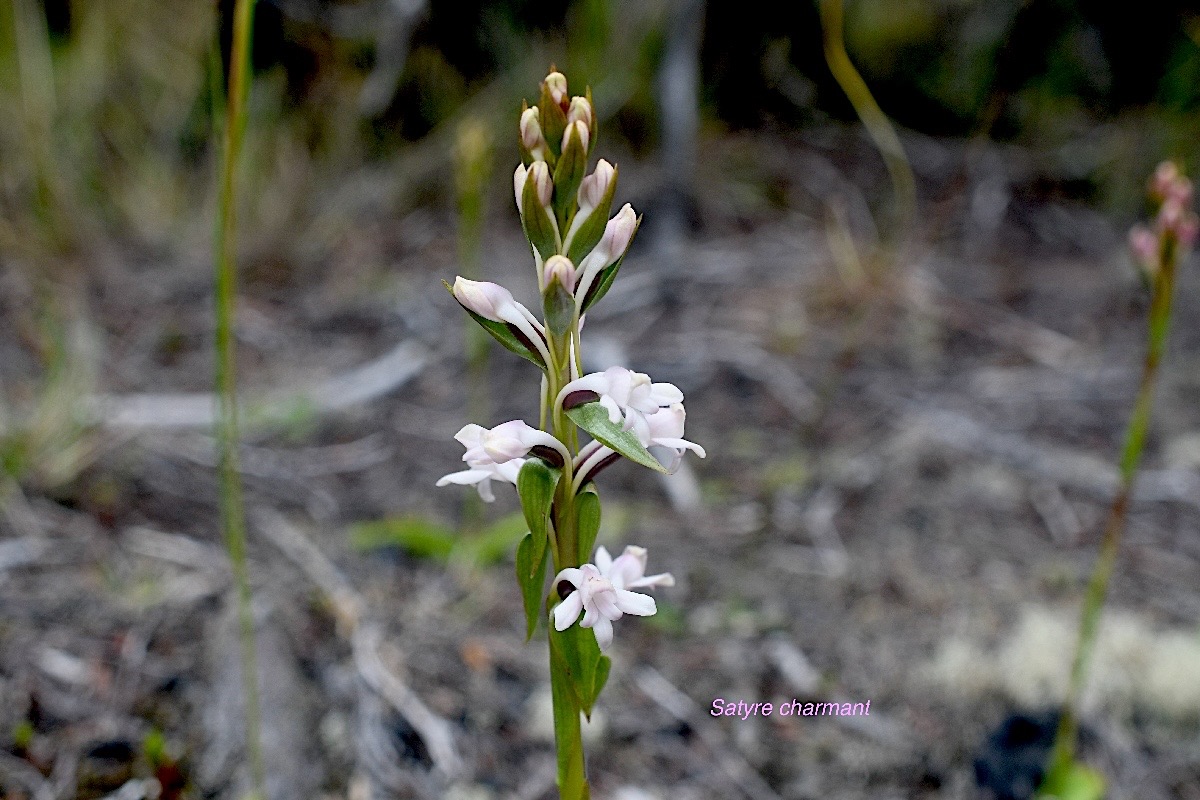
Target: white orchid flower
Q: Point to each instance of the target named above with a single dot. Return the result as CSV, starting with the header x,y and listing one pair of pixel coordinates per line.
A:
x,y
495,303
497,454
506,441
662,434
601,594
625,394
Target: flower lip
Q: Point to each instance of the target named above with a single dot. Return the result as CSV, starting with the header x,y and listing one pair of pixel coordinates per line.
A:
x,y
578,398
548,454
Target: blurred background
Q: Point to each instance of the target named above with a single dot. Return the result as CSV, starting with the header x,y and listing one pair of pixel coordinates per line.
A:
x,y
911,369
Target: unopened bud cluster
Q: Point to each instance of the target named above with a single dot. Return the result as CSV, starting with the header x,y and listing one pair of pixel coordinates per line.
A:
x,y
1175,226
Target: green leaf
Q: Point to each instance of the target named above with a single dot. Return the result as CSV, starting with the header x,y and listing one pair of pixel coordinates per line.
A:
x,y
1076,782
602,669
581,656
593,418
587,510
417,536
535,484
506,335
531,575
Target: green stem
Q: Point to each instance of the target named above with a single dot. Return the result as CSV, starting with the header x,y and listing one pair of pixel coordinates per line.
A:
x,y
233,516
1063,755
568,737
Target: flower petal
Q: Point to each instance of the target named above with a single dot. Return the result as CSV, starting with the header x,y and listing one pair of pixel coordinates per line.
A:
x,y
566,612
680,444
661,579
465,478
665,394
603,560
639,605
606,604
604,634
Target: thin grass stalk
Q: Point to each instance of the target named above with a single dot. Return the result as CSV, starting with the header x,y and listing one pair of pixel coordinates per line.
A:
x,y
1063,755
474,168
876,122
233,515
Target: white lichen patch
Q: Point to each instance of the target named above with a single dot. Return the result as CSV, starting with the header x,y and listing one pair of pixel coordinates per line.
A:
x,y
1136,666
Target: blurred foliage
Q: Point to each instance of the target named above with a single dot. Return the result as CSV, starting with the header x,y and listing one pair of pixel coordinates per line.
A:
x,y
114,99
424,538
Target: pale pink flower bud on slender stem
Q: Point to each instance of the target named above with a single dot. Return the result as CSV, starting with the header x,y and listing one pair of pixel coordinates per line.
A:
x,y
1165,176
595,186
559,267
581,109
519,184
614,243
539,171
531,133
493,302
581,130
556,83
1144,246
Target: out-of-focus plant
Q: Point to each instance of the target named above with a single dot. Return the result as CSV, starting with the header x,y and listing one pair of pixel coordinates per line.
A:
x,y
45,438
474,167
233,515
1158,251
876,122
577,251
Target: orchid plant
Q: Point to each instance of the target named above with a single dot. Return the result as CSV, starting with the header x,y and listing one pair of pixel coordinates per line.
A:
x,y
1158,250
577,251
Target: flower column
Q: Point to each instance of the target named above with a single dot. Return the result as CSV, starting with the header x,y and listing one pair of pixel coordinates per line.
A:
x,y
577,251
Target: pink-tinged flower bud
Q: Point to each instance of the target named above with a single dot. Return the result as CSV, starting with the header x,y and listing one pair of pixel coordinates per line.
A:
x,y
559,267
1181,192
581,110
519,184
1165,176
1186,230
556,84
539,173
1170,215
618,233
595,186
488,300
580,129
1144,246
531,128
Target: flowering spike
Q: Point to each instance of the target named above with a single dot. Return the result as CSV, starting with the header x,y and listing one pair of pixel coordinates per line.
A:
x,y
577,251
